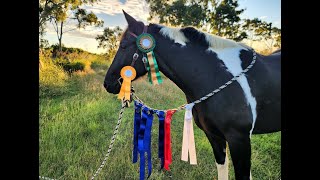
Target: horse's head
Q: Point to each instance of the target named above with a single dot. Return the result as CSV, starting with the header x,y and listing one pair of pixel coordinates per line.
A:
x,y
124,55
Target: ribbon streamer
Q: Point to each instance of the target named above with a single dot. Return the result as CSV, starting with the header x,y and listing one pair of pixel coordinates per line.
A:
x,y
136,122
146,43
148,114
188,144
154,73
127,73
142,137
161,116
167,139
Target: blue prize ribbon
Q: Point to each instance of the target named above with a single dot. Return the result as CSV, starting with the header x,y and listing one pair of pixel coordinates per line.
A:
x,y
143,118
148,114
141,148
137,119
161,116
142,137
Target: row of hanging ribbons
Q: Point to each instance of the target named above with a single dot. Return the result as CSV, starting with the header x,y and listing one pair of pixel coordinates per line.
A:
x,y
143,118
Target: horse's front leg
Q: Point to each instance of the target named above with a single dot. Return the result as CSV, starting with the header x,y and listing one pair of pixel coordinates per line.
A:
x,y
220,153
240,150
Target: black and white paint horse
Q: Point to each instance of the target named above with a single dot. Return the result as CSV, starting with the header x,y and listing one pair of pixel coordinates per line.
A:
x,y
198,63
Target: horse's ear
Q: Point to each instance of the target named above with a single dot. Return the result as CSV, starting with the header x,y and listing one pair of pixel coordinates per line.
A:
x,y
130,20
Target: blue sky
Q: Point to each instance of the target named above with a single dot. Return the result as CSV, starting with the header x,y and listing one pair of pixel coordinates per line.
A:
x,y
111,12
267,10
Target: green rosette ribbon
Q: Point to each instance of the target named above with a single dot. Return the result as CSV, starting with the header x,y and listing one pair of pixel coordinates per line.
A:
x,y
146,43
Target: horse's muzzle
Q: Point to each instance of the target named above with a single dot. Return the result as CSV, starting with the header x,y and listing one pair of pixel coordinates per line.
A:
x,y
113,88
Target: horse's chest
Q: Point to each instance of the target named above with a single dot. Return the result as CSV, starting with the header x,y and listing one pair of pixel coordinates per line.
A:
x,y
228,109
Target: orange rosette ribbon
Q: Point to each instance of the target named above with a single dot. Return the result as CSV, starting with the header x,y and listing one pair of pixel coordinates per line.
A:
x,y
128,73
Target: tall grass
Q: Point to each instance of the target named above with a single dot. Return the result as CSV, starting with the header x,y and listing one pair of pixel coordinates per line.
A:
x,y
52,78
55,73
76,127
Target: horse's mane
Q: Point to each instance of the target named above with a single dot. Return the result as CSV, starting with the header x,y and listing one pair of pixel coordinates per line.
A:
x,y
276,51
193,35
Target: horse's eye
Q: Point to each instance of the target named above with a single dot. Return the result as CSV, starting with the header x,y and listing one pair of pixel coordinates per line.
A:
x,y
122,46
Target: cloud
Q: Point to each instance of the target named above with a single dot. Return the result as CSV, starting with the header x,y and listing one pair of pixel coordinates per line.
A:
x,y
113,20
263,17
136,8
110,11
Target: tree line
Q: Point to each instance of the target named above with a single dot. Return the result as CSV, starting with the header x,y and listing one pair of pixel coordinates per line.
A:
x,y
59,13
220,17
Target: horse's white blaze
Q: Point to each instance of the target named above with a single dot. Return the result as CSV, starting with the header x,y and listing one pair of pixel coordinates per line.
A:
x,y
174,34
231,59
223,169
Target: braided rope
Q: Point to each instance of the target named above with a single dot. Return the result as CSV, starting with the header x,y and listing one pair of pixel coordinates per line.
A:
x,y
153,109
214,91
46,178
229,82
156,110
112,141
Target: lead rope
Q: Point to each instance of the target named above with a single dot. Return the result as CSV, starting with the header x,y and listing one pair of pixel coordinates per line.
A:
x,y
229,82
124,105
46,178
214,91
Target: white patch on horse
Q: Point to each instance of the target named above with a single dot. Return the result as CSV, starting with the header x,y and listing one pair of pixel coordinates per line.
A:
x,y
223,169
231,59
174,34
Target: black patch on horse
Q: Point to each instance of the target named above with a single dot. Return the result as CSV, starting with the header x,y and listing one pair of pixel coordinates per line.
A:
x,y
246,58
195,36
154,28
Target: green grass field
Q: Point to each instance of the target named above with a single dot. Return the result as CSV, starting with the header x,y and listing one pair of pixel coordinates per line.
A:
x,y
76,126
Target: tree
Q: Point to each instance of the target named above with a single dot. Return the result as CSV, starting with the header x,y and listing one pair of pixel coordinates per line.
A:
x,y
277,36
251,26
263,31
59,11
47,8
221,17
43,43
110,40
225,20
178,13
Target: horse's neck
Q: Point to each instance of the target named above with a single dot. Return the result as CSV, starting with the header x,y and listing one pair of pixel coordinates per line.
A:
x,y
190,71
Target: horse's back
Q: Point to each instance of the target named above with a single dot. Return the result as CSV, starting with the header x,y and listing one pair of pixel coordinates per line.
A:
x,y
272,63
278,51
